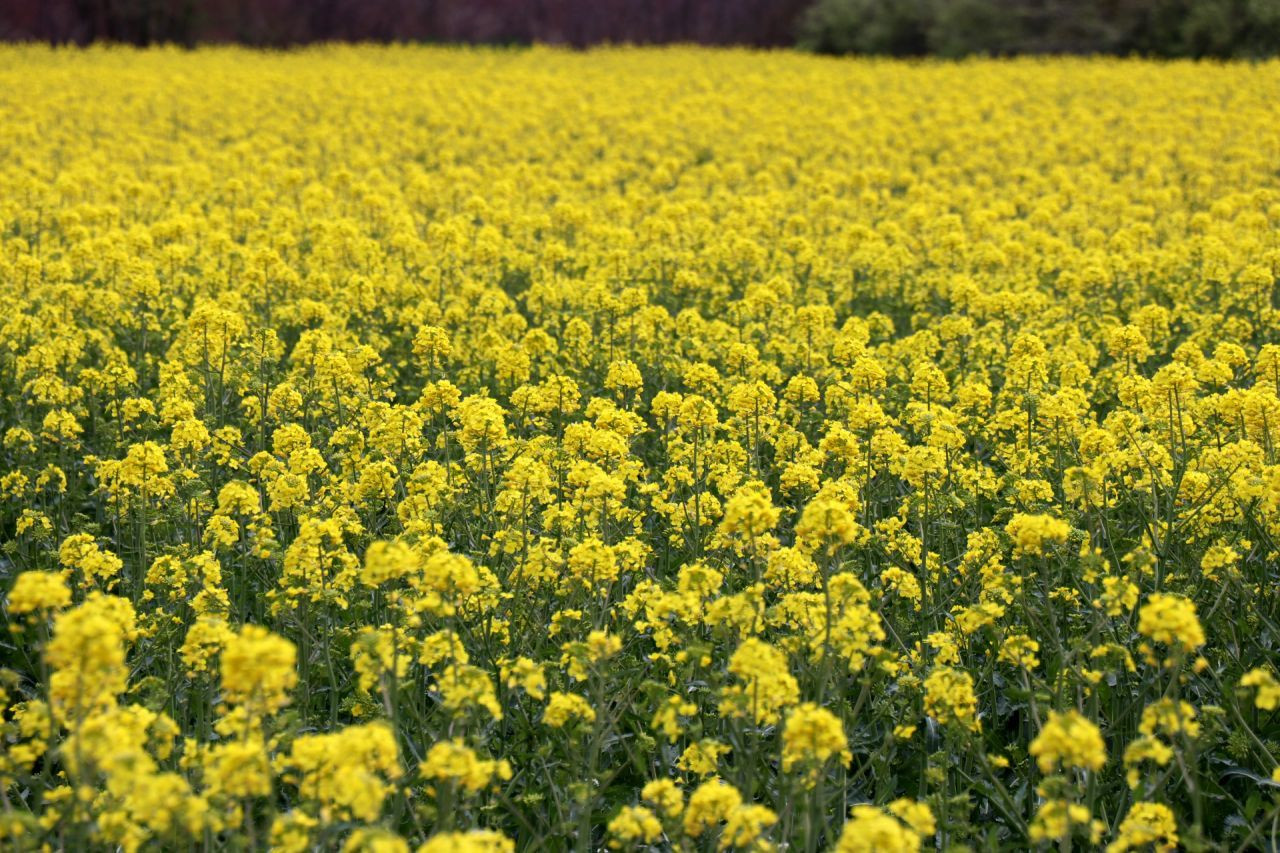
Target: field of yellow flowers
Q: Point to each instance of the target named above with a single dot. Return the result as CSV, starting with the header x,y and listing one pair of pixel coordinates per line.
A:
x,y
459,450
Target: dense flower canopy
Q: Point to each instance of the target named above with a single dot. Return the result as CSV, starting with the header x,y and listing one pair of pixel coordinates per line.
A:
x,y
442,449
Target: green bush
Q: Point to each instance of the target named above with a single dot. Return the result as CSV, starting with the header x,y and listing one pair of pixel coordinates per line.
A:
x,y
962,27
955,28
894,27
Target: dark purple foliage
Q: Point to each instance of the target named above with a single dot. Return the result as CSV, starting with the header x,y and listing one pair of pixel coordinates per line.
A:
x,y
284,22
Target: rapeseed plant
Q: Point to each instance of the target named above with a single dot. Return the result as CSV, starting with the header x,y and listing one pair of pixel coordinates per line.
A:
x,y
443,449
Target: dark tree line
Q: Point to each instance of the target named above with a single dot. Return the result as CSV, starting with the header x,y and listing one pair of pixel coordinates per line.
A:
x,y
1222,28
1168,28
284,22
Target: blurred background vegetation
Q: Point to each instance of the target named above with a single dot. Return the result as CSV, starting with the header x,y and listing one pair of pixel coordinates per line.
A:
x,y
954,28
949,28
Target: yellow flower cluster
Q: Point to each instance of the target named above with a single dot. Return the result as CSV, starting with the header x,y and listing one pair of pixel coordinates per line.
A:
x,y
444,449
1068,740
898,828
